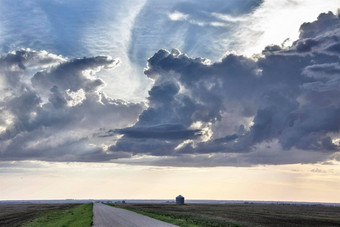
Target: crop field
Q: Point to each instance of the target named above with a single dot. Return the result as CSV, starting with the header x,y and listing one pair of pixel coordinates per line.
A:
x,y
240,214
21,214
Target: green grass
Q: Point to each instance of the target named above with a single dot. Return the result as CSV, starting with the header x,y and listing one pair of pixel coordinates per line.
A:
x,y
181,219
164,218
78,216
214,215
19,214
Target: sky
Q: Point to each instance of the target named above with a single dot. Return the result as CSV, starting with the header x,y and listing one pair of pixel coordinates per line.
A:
x,y
236,98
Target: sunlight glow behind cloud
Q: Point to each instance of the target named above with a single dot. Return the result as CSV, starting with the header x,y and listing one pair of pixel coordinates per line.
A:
x,y
159,89
276,21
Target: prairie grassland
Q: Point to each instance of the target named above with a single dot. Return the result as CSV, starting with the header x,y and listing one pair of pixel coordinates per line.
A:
x,y
18,214
190,215
12,215
78,216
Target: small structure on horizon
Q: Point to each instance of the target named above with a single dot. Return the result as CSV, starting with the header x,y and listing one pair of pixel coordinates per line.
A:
x,y
180,200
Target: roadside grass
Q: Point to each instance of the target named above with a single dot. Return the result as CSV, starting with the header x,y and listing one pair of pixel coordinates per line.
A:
x,y
78,216
14,215
183,220
214,215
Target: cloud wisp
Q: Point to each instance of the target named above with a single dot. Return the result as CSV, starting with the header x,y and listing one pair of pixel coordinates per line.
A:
x,y
187,25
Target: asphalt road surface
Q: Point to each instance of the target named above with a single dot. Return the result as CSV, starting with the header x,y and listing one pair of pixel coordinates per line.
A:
x,y
107,216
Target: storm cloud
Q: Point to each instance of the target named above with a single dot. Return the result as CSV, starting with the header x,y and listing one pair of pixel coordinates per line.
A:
x,y
275,108
53,108
281,107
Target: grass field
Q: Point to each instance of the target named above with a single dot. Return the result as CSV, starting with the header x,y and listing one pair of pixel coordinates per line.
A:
x,y
78,216
240,214
12,215
18,214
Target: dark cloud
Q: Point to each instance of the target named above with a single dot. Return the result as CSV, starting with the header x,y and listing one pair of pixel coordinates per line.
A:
x,y
325,22
26,57
280,108
334,48
70,75
247,111
58,113
322,70
14,64
170,132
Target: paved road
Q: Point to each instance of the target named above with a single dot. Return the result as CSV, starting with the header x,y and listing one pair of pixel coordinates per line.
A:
x,y
107,216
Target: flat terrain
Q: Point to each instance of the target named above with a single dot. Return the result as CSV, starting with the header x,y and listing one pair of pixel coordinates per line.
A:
x,y
20,214
108,216
78,216
241,214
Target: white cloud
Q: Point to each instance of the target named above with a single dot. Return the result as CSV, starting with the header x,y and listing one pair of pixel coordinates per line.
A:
x,y
178,16
275,21
76,97
228,18
103,30
55,110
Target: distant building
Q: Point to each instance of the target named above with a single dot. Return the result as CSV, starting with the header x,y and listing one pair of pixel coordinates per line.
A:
x,y
180,200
